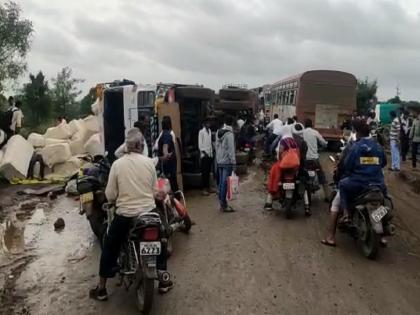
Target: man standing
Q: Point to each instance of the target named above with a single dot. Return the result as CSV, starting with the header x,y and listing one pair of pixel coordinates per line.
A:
x,y
406,124
415,138
206,154
131,186
226,160
17,118
394,137
313,138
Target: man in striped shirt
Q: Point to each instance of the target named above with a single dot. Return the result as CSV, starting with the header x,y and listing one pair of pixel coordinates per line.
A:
x,y
394,137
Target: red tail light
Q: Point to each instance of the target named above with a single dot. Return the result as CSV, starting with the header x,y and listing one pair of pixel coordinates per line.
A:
x,y
151,234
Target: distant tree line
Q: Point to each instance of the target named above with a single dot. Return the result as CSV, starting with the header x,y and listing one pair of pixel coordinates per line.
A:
x,y
41,102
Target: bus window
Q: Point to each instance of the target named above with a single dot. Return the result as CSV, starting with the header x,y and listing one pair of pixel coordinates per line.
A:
x,y
145,99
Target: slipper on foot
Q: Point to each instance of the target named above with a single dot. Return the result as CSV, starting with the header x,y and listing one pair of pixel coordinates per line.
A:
x,y
326,243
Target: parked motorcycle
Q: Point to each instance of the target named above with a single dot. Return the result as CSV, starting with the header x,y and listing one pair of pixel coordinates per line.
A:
x,y
137,262
173,211
370,218
91,183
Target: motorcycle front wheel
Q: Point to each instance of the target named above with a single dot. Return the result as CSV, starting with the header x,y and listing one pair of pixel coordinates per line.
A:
x,y
145,292
368,240
187,223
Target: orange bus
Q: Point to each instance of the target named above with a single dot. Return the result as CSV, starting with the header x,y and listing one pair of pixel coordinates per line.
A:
x,y
327,97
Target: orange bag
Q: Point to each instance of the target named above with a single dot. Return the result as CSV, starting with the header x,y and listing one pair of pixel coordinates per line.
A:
x,y
290,159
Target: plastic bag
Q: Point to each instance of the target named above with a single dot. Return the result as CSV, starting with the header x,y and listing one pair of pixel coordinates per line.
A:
x,y
232,187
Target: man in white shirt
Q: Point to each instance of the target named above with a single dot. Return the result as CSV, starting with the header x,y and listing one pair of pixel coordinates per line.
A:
x,y
276,127
131,186
206,154
313,138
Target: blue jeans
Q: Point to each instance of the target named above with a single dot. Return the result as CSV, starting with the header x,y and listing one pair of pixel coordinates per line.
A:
x,y
395,155
224,172
350,188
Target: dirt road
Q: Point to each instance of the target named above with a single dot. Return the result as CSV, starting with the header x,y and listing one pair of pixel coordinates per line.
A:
x,y
248,262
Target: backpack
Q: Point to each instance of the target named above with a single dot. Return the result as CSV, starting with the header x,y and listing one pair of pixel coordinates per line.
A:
x,y
6,119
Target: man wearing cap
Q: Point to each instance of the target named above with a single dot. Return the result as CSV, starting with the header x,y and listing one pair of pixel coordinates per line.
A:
x,y
131,186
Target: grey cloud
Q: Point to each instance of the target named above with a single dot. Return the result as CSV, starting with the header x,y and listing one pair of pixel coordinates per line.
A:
x,y
216,41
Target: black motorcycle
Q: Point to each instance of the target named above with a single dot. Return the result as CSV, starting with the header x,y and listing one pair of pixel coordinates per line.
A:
x,y
137,262
370,218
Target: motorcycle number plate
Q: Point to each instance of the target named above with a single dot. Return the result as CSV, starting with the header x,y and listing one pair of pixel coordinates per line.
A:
x,y
85,198
379,213
288,186
311,173
150,248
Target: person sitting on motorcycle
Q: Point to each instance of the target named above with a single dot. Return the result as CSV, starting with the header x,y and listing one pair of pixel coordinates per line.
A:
x,y
288,156
339,173
362,167
131,186
314,139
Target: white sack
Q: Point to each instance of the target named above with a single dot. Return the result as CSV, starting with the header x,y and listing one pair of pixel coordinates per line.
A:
x,y
56,153
37,140
49,141
17,157
77,143
76,126
62,131
91,124
68,168
95,107
94,146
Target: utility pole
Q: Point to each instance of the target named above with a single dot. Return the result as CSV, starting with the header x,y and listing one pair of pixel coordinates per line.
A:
x,y
398,91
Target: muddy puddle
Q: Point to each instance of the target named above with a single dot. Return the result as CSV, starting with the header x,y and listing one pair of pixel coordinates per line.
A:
x,y
35,256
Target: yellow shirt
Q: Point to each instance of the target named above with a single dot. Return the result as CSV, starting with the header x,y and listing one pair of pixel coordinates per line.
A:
x,y
131,185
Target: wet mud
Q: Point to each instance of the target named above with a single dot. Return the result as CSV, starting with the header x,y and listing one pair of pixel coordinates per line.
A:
x,y
248,262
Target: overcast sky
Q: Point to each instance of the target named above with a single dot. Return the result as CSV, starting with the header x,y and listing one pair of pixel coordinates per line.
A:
x,y
213,42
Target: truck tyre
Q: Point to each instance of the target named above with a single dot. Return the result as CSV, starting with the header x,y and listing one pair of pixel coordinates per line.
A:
x,y
194,92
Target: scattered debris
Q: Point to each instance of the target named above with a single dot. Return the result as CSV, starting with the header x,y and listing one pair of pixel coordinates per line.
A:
x,y
29,204
59,224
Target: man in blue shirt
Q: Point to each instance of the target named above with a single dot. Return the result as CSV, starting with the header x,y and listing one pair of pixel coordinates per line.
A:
x,y
362,166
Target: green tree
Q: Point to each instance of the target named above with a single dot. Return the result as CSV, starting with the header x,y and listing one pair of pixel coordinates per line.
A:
x,y
15,35
65,93
366,91
37,103
87,101
395,100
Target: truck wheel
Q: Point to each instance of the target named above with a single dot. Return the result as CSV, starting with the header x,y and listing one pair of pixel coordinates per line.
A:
x,y
194,92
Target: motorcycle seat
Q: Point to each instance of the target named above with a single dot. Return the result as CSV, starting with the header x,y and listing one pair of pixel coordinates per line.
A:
x,y
370,194
148,219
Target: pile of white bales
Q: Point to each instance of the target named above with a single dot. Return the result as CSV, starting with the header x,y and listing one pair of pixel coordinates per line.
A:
x,y
60,147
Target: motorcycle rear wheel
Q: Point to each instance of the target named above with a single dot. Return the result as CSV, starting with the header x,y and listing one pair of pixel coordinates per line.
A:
x,y
145,292
368,240
288,208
